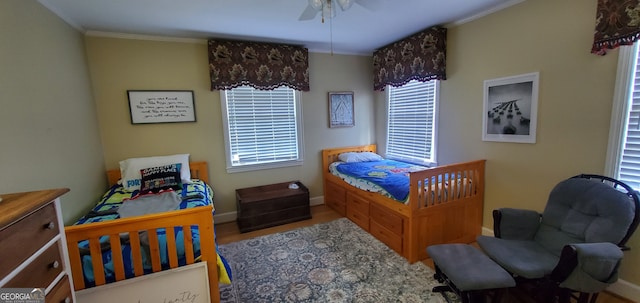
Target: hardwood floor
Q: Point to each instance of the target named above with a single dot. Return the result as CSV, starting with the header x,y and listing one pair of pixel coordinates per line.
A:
x,y
228,232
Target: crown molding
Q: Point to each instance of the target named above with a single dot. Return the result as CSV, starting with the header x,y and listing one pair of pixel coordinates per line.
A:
x,y
144,37
485,13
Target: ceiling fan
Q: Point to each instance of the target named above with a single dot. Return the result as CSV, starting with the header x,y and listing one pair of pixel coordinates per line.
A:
x,y
328,7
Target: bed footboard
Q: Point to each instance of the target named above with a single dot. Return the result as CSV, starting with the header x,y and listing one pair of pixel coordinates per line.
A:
x,y
132,229
446,205
446,183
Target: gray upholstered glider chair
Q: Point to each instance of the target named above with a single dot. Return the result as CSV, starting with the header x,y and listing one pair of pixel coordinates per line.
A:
x,y
574,248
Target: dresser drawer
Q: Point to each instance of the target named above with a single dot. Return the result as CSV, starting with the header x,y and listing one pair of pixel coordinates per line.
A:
x,y
387,219
339,207
61,293
24,237
358,218
335,197
41,272
385,236
358,210
355,203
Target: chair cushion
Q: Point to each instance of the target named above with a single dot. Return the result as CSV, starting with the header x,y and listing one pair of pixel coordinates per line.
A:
x,y
589,211
468,268
554,239
518,224
524,258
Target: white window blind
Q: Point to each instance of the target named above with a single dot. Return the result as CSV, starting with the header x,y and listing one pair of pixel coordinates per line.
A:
x,y
629,171
262,126
411,122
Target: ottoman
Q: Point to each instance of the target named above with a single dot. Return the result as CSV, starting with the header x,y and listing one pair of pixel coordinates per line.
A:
x,y
469,273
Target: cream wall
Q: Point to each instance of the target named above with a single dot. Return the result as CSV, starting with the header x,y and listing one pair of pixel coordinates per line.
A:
x,y
575,100
48,134
120,64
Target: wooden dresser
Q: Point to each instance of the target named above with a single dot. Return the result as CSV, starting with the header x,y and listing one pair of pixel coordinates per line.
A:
x,y
33,245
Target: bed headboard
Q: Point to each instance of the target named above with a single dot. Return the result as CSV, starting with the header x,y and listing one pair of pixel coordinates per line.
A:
x,y
199,170
331,155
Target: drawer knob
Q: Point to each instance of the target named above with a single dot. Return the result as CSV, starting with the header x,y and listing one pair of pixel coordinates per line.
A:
x,y
67,300
51,225
55,264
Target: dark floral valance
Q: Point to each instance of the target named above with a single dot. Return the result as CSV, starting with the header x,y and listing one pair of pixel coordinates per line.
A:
x,y
260,65
617,23
418,57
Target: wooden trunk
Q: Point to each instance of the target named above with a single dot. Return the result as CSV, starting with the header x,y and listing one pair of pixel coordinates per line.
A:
x,y
271,205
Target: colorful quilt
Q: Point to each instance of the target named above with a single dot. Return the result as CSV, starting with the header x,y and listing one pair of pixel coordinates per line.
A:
x,y
389,177
194,194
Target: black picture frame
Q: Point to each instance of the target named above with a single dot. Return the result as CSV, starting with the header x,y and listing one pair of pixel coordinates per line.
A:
x,y
161,106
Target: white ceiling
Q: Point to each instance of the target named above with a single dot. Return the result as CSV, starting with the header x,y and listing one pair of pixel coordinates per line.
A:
x,y
355,31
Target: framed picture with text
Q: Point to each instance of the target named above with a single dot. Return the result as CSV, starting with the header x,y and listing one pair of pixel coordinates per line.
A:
x,y
161,106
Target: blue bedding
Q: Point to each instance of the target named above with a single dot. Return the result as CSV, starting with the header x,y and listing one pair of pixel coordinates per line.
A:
x,y
192,194
392,176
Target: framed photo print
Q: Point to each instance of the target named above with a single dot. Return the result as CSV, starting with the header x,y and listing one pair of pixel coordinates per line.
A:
x,y
341,109
511,109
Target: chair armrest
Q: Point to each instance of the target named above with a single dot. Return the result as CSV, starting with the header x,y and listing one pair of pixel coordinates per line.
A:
x,y
588,267
515,224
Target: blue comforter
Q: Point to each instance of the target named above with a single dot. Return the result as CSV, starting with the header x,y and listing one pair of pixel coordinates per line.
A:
x,y
392,176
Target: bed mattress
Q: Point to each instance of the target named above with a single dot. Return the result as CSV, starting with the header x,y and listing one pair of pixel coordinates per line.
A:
x,y
390,178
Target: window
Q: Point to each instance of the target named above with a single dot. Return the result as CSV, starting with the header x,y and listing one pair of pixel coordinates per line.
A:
x,y
623,155
263,128
412,122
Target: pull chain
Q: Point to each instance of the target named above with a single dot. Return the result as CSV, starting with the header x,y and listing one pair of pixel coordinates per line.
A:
x,y
331,34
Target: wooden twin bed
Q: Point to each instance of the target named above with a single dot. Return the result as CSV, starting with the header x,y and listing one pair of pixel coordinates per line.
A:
x,y
444,206
185,219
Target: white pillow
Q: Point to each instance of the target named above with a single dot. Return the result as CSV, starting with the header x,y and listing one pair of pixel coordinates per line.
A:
x,y
359,157
130,168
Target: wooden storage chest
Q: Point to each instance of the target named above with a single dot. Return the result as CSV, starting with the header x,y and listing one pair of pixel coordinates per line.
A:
x,y
270,205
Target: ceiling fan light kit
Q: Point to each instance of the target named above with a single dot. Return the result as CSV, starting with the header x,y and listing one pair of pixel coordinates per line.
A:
x,y
327,7
316,4
345,4
323,4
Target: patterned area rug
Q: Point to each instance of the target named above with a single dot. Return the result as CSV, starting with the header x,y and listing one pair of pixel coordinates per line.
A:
x,y
329,262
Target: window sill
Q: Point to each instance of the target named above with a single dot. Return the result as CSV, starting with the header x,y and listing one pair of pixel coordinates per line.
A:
x,y
252,167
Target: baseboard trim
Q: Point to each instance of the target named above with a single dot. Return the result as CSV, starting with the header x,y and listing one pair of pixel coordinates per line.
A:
x,y
487,231
316,201
225,217
624,289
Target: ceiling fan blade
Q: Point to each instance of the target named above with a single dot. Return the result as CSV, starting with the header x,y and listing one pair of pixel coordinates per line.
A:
x,y
309,13
372,5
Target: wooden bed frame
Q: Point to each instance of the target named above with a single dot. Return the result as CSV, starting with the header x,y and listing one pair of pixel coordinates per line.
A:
x,y
452,213
200,216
